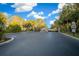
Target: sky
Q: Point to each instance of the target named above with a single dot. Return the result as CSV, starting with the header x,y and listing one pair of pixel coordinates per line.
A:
x,y
49,12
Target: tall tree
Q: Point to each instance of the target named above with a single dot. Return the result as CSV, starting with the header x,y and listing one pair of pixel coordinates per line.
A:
x,y
3,23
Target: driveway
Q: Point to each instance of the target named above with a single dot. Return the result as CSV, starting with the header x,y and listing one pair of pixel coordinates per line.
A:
x,y
40,44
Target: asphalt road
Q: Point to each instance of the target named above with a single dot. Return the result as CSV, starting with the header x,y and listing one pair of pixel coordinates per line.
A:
x,y
40,44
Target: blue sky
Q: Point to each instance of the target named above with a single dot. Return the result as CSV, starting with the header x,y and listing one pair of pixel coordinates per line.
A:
x,y
47,11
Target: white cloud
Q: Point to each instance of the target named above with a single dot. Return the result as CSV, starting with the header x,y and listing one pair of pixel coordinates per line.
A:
x,y
6,14
49,14
36,14
41,13
60,7
21,7
31,14
52,22
57,17
54,12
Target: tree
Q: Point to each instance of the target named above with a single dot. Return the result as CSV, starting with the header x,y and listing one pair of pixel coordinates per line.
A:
x,y
70,12
16,24
14,28
40,24
29,25
34,25
3,23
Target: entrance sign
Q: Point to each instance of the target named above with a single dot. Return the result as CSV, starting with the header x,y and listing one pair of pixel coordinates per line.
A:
x,y
59,29
73,27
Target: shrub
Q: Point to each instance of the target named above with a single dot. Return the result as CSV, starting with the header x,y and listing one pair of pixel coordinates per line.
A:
x,y
14,28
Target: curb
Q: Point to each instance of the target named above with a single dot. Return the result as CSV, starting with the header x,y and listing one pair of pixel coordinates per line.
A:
x,y
69,36
7,41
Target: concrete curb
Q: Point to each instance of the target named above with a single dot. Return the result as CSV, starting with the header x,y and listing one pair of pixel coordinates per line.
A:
x,y
8,41
69,36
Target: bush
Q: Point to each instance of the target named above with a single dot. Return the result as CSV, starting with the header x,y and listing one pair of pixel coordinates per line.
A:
x,y
78,26
14,28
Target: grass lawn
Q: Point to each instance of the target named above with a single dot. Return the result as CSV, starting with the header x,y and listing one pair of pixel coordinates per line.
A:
x,y
76,34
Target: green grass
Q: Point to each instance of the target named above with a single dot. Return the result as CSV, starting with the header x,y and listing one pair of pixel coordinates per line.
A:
x,y
76,34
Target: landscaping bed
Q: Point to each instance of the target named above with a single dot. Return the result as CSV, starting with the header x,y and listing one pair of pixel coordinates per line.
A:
x,y
6,40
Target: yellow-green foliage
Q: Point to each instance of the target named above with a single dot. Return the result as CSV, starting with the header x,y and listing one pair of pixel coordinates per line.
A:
x,y
3,23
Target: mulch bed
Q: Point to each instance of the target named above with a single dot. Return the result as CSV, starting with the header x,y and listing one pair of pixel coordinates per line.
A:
x,y
4,39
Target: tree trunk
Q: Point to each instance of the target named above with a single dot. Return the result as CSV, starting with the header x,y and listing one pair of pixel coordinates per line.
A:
x,y
1,35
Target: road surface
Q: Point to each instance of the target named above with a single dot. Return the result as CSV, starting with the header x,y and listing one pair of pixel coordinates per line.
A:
x,y
40,44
